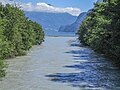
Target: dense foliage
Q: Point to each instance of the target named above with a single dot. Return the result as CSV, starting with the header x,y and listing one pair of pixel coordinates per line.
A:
x,y
101,29
17,33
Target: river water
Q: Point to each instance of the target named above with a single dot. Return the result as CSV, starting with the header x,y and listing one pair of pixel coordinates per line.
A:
x,y
61,63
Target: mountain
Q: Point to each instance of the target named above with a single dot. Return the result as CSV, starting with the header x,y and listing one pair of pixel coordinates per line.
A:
x,y
75,26
98,1
51,21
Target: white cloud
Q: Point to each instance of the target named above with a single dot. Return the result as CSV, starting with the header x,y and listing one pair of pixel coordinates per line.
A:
x,y
4,1
8,1
43,7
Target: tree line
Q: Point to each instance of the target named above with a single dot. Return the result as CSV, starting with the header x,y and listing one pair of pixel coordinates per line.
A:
x,y
17,33
101,29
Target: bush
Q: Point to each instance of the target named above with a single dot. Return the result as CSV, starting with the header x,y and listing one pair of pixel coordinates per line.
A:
x,y
101,29
17,33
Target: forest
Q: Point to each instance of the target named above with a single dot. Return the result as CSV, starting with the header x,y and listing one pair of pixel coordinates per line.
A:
x,y
101,29
17,34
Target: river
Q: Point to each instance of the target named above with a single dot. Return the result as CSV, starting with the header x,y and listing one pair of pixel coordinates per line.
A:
x,y
61,63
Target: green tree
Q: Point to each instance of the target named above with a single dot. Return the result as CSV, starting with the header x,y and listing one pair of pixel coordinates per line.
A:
x,y
101,29
17,33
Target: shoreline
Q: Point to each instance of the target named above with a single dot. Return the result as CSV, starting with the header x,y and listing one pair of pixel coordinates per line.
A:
x,y
59,36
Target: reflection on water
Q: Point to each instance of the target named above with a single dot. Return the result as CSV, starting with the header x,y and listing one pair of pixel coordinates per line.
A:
x,y
95,72
60,63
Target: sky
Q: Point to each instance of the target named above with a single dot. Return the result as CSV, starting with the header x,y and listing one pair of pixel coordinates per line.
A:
x,y
84,5
74,7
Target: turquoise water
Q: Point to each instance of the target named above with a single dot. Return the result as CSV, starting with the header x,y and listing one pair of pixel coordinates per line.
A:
x,y
56,33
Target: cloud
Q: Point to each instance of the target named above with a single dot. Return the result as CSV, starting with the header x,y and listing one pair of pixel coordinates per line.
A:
x,y
44,7
12,2
4,1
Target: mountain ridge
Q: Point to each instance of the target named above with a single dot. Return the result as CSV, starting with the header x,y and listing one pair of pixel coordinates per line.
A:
x,y
51,21
74,26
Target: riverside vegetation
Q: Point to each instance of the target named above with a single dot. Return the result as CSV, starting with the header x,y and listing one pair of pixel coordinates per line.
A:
x,y
17,34
101,29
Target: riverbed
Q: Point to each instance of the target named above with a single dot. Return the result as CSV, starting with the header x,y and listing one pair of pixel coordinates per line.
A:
x,y
61,63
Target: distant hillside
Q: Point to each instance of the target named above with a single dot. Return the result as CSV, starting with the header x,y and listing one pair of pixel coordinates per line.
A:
x,y
75,26
98,1
51,21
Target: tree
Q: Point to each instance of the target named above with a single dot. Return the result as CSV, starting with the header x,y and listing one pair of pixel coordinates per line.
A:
x,y
17,33
101,29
